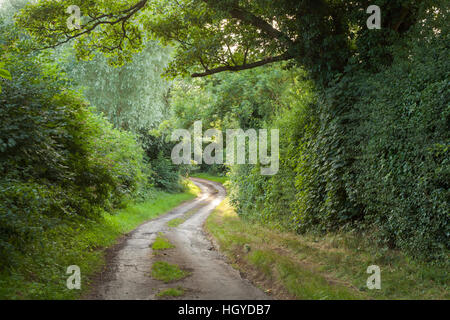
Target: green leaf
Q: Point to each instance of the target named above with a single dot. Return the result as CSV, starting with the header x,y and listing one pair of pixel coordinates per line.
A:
x,y
5,74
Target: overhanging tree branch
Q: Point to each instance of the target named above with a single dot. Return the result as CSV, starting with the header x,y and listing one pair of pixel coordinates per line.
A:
x,y
122,18
251,19
96,21
284,56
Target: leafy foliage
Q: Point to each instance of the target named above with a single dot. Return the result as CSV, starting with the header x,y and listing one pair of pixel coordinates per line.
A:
x,y
59,162
364,113
134,96
368,152
166,174
4,74
230,35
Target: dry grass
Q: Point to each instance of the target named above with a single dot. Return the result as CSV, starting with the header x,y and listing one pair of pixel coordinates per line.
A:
x,y
331,267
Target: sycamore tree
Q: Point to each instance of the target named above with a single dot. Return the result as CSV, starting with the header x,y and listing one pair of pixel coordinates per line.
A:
x,y
212,36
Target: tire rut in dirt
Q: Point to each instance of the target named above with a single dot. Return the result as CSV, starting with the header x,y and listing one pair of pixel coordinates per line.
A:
x,y
128,271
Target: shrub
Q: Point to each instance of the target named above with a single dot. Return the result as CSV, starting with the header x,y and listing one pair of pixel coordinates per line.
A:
x,y
368,152
59,162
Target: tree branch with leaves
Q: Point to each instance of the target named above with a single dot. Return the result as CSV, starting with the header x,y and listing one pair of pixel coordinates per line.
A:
x,y
212,36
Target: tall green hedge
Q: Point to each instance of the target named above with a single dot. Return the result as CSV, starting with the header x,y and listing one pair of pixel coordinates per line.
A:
x,y
59,163
370,151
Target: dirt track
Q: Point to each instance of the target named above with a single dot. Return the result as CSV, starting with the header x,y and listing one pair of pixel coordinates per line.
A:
x,y
127,274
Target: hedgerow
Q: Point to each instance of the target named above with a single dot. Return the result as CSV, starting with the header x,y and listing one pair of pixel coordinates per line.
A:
x,y
59,162
367,152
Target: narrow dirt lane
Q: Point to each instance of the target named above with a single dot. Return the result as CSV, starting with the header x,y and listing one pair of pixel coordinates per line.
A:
x,y
127,275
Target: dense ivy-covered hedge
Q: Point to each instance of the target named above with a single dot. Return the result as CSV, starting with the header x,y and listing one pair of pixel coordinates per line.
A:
x,y
368,151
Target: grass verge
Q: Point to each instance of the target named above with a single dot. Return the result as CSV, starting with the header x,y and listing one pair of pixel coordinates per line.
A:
x,y
331,267
167,272
41,273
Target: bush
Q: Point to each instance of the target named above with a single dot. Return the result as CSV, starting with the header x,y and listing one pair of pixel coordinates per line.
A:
x,y
402,174
368,152
166,175
59,162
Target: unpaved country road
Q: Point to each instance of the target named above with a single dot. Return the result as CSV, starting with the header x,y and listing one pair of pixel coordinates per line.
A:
x,y
127,274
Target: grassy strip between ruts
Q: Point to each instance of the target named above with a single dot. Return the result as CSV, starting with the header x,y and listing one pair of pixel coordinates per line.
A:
x,y
161,243
41,274
292,266
167,272
171,292
177,221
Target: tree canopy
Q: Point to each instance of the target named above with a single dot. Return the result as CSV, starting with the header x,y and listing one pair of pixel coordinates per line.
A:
x,y
227,35
133,96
